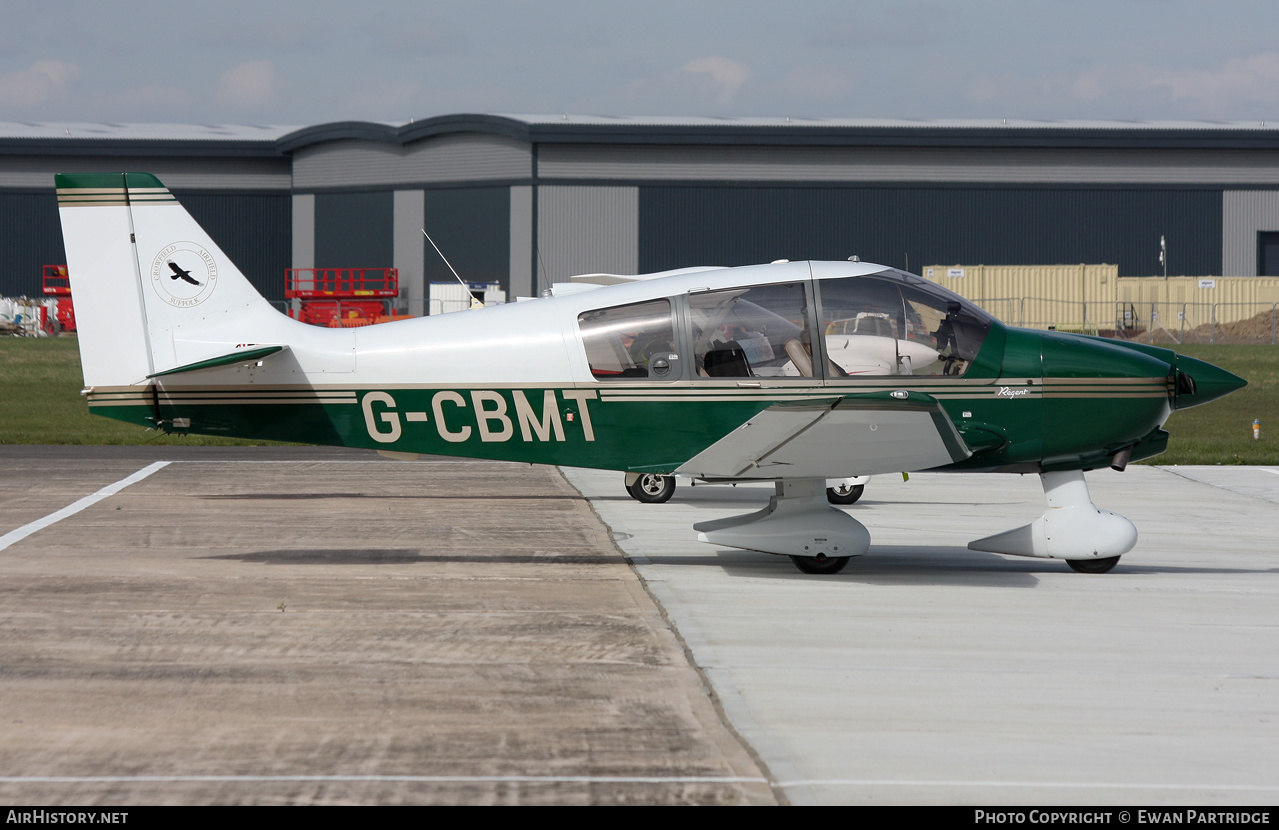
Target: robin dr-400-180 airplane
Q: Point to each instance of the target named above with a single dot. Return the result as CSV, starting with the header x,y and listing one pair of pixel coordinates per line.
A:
x,y
792,372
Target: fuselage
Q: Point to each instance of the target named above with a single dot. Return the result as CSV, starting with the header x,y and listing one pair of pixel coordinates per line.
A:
x,y
647,374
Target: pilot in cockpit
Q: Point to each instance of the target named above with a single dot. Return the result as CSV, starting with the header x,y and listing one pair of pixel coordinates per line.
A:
x,y
754,344
945,334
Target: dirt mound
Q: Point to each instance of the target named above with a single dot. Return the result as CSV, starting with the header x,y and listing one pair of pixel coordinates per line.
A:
x,y
1256,329
1260,329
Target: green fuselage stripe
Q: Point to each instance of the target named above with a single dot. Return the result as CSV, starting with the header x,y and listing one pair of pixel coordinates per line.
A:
x,y
632,428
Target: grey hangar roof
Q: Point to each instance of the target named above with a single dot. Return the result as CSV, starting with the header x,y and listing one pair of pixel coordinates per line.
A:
x,y
108,138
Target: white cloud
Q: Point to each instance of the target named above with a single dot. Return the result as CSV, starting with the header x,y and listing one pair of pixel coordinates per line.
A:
x,y
251,84
37,84
707,83
727,74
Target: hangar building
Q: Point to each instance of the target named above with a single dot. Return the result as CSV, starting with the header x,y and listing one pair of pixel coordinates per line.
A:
x,y
527,200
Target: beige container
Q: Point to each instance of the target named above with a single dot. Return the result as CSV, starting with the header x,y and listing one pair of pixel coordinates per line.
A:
x,y
1062,297
1203,309
1094,299
1200,290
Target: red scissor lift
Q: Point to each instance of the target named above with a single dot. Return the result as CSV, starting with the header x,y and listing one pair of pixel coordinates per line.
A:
x,y
342,297
54,282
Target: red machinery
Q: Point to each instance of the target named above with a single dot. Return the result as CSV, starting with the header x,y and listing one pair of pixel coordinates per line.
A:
x,y
54,281
342,297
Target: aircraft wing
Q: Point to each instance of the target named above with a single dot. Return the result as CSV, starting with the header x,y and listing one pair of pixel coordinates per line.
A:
x,y
833,437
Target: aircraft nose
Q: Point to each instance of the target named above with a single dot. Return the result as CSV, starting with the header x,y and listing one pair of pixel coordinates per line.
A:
x,y
1199,382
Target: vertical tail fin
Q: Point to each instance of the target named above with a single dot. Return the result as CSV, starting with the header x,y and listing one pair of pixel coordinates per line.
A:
x,y
152,290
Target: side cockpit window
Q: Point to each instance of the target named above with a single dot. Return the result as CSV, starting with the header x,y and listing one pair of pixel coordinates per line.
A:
x,y
631,342
898,324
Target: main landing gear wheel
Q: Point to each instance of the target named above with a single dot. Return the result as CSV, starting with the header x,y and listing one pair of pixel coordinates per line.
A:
x,y
820,564
845,493
1093,566
652,489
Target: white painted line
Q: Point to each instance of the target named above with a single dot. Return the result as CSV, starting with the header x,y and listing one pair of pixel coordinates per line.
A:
x,y
637,779
1268,470
426,779
1087,785
15,536
345,461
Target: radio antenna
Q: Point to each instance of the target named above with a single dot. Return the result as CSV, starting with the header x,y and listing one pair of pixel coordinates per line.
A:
x,y
474,302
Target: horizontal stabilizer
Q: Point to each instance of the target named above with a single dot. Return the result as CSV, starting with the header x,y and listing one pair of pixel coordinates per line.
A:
x,y
242,356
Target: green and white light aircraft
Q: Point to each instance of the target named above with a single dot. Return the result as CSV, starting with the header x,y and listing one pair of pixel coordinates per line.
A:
x,y
792,372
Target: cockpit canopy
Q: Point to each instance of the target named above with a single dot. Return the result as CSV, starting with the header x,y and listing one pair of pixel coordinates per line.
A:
x,y
885,323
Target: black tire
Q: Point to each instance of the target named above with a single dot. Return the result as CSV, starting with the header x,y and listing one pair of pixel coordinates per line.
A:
x,y
852,494
824,565
1093,566
651,488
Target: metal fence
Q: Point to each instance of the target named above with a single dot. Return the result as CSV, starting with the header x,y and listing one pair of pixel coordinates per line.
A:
x,y
1145,322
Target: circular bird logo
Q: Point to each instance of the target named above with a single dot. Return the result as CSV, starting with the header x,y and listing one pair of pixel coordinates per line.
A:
x,y
183,274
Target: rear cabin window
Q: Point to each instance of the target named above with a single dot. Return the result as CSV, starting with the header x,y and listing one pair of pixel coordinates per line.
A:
x,y
630,342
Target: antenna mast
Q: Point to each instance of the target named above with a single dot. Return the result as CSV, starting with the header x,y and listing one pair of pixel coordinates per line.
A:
x,y
474,302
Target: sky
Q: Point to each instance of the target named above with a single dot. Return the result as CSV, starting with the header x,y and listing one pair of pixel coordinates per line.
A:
x,y
299,63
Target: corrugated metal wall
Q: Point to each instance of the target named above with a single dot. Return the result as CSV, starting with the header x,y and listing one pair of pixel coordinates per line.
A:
x,y
453,158
253,230
177,173
354,230
409,255
521,269
303,231
585,230
682,226
30,238
1070,166
1244,213
472,226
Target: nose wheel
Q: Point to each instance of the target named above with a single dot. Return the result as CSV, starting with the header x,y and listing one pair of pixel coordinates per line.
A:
x,y
1072,528
1093,566
820,564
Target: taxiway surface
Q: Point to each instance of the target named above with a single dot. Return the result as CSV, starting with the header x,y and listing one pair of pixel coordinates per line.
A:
x,y
929,673
320,627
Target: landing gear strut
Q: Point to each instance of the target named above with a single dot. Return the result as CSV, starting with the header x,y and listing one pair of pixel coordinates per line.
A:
x,y
797,523
1072,528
